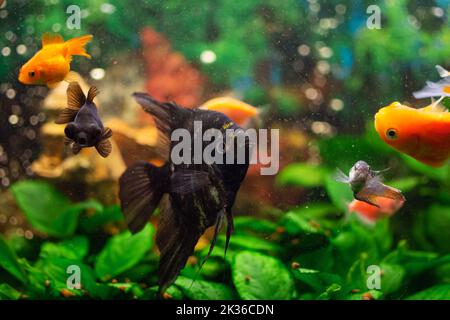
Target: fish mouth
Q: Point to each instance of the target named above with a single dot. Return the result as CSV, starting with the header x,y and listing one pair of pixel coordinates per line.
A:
x,y
22,78
82,140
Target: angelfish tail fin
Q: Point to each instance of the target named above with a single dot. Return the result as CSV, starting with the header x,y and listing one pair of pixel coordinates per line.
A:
x,y
230,229
141,188
217,227
176,239
76,46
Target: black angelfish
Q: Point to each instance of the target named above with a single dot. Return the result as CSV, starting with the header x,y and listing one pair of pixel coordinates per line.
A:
x,y
198,196
84,128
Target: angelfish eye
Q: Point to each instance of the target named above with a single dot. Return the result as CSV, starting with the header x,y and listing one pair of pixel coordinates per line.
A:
x,y
392,134
31,74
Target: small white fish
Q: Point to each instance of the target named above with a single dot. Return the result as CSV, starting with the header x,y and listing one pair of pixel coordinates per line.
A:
x,y
366,184
436,89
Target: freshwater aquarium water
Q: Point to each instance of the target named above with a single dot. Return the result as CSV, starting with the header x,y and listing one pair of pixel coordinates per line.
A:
x,y
224,150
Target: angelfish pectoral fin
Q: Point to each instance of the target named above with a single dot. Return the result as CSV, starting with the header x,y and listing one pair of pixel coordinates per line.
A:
x,y
141,188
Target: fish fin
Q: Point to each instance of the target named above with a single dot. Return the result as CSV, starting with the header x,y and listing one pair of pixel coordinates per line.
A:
x,y
76,148
442,72
341,177
217,227
67,141
92,93
186,181
76,46
230,229
75,96
378,172
51,38
436,106
66,116
104,148
53,85
176,239
375,189
141,188
71,77
167,117
107,133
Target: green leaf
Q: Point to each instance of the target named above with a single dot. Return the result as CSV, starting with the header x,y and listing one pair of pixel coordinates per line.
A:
x,y
54,271
9,261
248,242
340,193
257,276
8,293
350,244
302,174
94,222
405,184
123,251
47,209
315,279
311,235
439,174
74,249
392,277
438,225
438,292
244,223
297,224
204,290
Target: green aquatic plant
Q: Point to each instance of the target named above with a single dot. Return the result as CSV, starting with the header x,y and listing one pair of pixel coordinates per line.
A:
x,y
309,252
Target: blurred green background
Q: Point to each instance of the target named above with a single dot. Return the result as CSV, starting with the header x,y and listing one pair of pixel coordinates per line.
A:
x,y
317,72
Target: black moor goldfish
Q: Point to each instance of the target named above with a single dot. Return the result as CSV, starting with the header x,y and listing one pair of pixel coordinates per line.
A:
x,y
51,64
198,196
367,186
84,128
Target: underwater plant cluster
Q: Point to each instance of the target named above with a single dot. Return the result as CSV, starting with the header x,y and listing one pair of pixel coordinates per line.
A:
x,y
311,69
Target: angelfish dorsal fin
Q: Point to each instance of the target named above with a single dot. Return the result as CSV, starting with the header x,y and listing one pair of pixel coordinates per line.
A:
x,y
50,38
75,96
93,92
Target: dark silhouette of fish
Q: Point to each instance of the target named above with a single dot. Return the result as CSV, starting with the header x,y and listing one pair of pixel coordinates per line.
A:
x,y
366,184
84,128
192,197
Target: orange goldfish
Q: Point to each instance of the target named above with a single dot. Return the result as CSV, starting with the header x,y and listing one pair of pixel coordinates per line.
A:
x,y
370,214
240,112
51,64
423,134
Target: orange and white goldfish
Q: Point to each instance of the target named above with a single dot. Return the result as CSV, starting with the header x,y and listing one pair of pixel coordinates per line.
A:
x,y
370,214
423,134
240,112
51,64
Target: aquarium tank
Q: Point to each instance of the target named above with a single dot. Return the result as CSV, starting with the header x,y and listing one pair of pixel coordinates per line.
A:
x,y
224,150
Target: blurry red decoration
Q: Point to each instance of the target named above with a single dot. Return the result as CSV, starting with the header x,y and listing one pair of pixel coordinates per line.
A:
x,y
170,77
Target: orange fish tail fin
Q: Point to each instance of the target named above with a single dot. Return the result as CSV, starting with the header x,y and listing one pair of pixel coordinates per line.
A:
x,y
76,46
